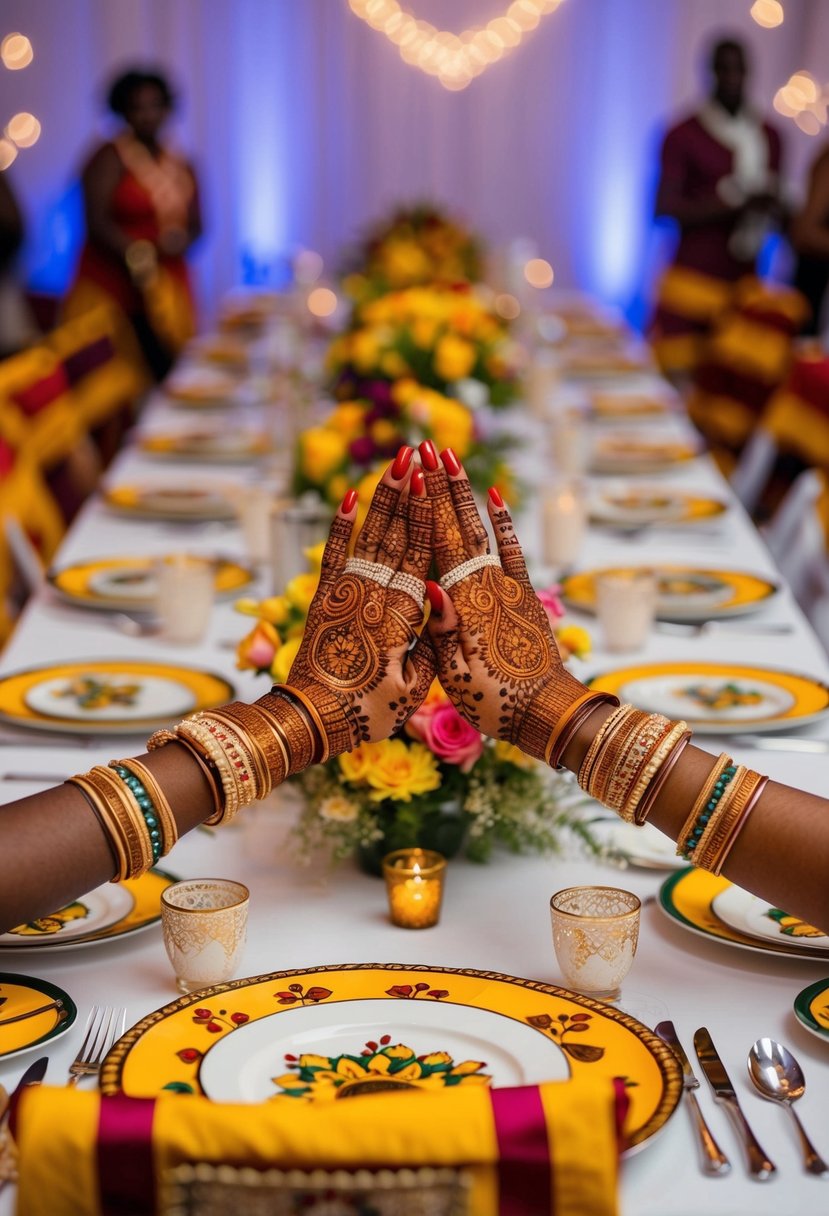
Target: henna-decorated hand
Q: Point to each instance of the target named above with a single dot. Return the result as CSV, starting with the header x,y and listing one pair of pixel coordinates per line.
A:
x,y
357,662
496,655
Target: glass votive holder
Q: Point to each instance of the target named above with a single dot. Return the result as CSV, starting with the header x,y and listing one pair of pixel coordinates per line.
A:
x,y
185,590
570,440
296,525
204,924
595,935
625,607
564,524
414,885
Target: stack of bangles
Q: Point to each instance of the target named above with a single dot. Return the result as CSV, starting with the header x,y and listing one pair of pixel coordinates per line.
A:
x,y
243,750
631,758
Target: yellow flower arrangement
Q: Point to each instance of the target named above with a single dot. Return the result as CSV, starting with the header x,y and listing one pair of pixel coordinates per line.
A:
x,y
399,771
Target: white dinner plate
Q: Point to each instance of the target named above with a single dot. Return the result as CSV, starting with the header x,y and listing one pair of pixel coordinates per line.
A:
x,y
90,914
111,697
749,914
645,847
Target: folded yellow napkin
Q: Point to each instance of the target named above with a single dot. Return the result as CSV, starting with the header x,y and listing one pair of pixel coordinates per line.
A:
x,y
537,1149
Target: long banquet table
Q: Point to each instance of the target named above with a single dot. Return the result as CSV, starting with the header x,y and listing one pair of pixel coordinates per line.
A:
x,y
496,916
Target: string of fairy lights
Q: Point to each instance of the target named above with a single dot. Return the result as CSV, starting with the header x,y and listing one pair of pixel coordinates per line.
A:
x,y
23,129
802,98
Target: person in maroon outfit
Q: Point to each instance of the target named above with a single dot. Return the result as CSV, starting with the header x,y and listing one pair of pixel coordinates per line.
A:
x,y
719,179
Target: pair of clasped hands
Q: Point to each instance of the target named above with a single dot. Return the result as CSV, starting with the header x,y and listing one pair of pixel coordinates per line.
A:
x,y
487,636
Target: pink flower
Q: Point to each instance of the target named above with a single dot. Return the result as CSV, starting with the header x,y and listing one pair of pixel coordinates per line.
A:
x,y
551,603
447,734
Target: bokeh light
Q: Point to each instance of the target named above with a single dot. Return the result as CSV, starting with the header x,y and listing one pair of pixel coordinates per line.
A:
x,y
803,99
768,13
8,154
308,266
322,302
16,52
538,273
506,306
23,130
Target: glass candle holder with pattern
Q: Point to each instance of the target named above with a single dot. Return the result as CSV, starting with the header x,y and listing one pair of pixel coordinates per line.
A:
x,y
204,923
595,935
414,885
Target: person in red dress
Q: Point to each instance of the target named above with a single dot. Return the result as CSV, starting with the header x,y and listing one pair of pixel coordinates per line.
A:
x,y
142,215
719,178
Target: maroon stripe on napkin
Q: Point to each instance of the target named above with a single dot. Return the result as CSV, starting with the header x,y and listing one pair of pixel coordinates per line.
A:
x,y
85,360
125,1156
524,1166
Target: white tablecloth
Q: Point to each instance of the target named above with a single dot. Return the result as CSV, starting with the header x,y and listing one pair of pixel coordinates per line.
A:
x,y
495,917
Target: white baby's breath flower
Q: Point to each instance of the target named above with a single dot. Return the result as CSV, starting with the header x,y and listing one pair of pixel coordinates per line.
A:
x,y
339,808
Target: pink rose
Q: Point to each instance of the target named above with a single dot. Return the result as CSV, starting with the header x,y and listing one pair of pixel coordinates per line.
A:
x,y
447,735
551,603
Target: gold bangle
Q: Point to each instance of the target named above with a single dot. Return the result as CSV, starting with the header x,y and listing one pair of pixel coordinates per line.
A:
x,y
729,813
639,747
306,702
611,721
609,766
114,838
166,818
125,818
702,799
740,822
241,738
652,793
269,747
562,722
201,739
294,727
660,753
719,815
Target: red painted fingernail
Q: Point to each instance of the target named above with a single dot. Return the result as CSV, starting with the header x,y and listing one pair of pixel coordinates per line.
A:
x,y
428,455
435,595
495,497
450,462
401,462
349,502
417,485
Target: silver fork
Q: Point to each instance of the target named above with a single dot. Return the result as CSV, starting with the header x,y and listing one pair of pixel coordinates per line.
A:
x,y
770,628
103,1026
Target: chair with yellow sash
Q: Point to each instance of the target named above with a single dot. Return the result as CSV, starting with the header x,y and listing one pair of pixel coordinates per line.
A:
x,y
546,1150
688,305
744,360
105,384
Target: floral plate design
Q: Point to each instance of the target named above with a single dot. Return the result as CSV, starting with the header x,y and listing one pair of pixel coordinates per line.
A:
x,y
128,583
720,698
342,1030
214,447
111,910
24,994
688,898
757,918
100,695
811,1007
171,502
684,593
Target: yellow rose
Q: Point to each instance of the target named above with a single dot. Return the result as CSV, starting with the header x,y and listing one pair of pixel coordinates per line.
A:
x,y
454,358
453,427
354,765
348,419
283,662
404,391
337,487
384,432
575,640
321,453
300,591
435,695
365,349
513,755
314,556
424,330
400,771
274,609
393,365
338,809
257,650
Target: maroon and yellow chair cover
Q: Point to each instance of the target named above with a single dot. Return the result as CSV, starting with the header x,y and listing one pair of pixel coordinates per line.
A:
x,y
529,1151
688,304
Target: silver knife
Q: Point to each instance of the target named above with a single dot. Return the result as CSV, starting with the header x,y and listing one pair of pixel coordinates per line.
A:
x,y
782,743
714,1160
759,1165
33,1075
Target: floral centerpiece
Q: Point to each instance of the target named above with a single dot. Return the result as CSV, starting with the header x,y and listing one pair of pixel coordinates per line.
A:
x,y
444,338
417,244
359,436
440,784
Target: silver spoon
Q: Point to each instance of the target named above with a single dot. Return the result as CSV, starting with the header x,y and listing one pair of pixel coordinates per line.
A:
x,y
778,1076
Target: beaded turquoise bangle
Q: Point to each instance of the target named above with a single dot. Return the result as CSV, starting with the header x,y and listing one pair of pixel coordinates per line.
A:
x,y
695,835
146,806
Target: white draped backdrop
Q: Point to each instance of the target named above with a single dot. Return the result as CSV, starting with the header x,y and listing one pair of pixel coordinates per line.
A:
x,y
305,123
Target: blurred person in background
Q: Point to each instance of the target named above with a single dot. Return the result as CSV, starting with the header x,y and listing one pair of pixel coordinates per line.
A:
x,y
17,328
142,215
810,238
719,180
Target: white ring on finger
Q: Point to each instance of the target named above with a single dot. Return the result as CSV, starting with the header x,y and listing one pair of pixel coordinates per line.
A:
x,y
412,586
471,566
376,571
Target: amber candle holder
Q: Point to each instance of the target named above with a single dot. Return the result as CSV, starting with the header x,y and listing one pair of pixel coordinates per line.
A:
x,y
414,885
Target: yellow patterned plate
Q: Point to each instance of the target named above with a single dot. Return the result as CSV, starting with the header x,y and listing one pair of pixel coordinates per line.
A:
x,y
627,506
111,910
811,1007
108,696
719,698
172,502
199,388
635,407
688,898
628,453
21,994
214,447
319,1034
685,593
129,583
